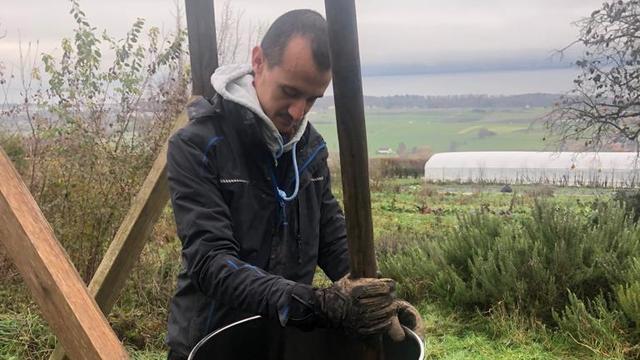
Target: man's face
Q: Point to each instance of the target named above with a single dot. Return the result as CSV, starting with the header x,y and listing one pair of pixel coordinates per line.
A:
x,y
287,91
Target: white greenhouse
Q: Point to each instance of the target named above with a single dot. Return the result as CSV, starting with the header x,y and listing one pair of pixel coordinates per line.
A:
x,y
607,169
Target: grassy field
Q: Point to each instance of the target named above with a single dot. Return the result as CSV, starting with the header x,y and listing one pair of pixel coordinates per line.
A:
x,y
401,207
445,129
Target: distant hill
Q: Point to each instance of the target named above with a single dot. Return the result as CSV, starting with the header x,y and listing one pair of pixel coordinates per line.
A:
x,y
448,102
536,62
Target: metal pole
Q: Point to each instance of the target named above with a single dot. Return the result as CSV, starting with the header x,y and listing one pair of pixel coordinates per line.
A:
x,y
352,137
203,50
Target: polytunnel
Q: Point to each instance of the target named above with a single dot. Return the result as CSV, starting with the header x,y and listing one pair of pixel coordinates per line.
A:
x,y
606,169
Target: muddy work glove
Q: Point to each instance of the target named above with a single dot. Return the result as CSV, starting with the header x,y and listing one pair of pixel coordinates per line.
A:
x,y
407,316
361,307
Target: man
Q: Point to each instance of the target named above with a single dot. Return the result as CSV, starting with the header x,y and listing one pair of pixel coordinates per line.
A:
x,y
252,198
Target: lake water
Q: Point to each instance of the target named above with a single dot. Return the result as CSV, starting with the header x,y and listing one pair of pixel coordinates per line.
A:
x,y
553,81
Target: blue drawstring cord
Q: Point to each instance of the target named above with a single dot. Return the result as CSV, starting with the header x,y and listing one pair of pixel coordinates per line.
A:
x,y
281,193
310,159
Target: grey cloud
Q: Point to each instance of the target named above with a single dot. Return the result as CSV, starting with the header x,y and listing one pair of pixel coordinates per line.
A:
x,y
402,30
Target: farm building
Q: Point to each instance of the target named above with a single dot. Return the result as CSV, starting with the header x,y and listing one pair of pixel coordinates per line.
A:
x,y
608,169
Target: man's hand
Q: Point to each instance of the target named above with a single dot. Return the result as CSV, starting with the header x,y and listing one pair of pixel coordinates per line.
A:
x,y
362,307
408,316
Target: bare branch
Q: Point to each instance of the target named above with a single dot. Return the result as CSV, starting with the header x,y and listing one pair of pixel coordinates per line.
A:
x,y
603,109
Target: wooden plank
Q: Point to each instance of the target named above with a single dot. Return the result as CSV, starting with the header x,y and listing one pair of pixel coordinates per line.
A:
x,y
352,137
47,270
128,243
203,49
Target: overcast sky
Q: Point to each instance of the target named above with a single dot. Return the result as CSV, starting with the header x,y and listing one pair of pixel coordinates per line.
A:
x,y
399,32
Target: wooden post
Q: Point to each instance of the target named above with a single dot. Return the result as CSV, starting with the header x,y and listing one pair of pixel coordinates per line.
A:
x,y
352,137
202,45
46,269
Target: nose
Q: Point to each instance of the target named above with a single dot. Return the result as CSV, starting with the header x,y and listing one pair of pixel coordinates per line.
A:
x,y
298,109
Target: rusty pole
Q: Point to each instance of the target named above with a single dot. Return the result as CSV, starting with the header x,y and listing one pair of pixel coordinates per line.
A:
x,y
352,137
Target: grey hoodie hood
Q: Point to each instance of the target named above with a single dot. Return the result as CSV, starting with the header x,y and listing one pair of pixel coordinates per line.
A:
x,y
235,83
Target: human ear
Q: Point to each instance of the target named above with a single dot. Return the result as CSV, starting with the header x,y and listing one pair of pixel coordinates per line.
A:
x,y
257,60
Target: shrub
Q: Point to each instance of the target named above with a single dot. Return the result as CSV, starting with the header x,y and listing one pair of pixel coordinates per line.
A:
x,y
96,129
388,167
628,295
555,265
630,199
405,259
594,325
13,146
540,190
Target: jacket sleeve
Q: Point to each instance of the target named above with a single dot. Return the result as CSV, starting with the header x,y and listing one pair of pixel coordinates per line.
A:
x,y
333,255
209,249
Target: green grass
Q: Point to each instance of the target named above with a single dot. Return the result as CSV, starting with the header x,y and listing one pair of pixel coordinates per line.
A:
x,y
400,207
450,336
445,129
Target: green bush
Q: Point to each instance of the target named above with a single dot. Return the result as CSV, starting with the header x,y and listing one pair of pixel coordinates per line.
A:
x,y
14,147
530,264
630,199
96,130
554,265
594,325
408,262
629,299
390,167
628,295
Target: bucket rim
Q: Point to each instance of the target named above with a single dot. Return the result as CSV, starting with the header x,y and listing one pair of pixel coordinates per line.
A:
x,y
251,318
216,332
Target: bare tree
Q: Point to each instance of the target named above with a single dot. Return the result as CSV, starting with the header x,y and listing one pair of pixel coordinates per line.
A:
x,y
233,36
3,80
604,106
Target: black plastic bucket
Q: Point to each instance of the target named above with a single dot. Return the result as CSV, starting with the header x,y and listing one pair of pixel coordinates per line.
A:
x,y
256,338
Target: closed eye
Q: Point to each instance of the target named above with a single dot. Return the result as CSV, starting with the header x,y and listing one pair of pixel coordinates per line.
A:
x,y
290,92
294,93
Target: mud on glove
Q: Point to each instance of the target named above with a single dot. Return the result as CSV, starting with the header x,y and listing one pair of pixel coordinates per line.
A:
x,y
408,316
362,307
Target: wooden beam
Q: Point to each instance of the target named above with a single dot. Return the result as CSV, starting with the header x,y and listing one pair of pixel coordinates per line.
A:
x,y
128,243
47,270
352,137
203,49
352,134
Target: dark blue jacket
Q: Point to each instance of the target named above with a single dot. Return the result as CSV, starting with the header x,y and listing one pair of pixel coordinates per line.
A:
x,y
243,249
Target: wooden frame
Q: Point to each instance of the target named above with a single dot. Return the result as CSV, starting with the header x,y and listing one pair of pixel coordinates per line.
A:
x,y
48,272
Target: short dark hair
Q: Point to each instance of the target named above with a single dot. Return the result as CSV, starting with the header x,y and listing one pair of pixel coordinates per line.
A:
x,y
304,22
